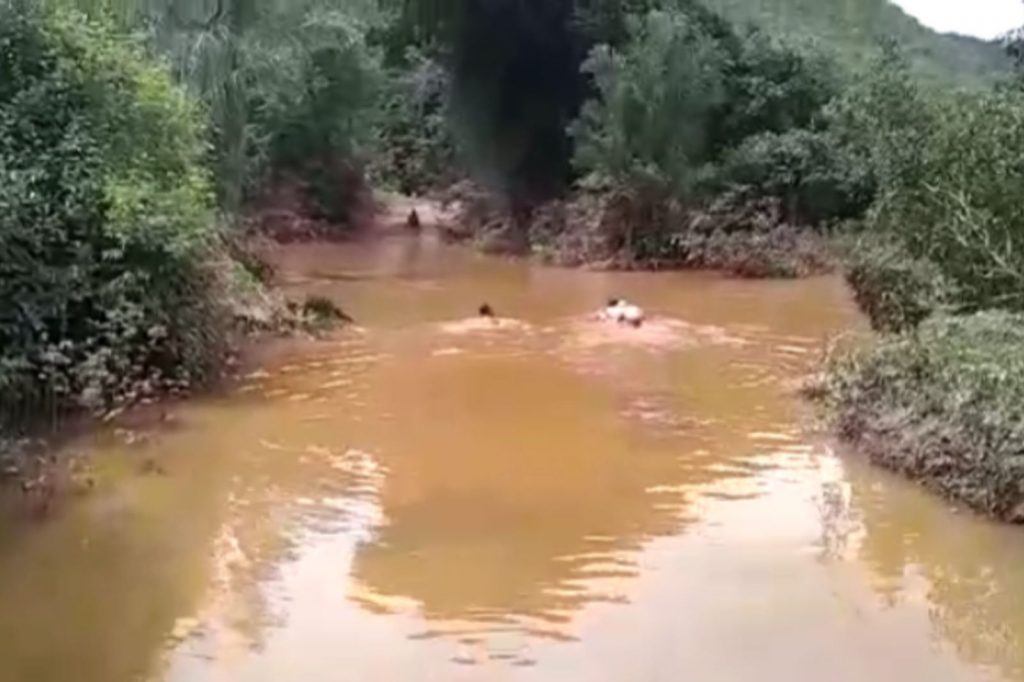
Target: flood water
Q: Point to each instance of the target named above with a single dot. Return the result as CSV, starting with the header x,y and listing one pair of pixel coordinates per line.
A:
x,y
550,499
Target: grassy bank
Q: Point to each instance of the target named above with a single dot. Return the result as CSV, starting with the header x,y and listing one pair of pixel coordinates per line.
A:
x,y
943,404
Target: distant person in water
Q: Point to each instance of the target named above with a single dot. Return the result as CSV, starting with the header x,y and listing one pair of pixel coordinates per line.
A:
x,y
486,319
413,221
622,312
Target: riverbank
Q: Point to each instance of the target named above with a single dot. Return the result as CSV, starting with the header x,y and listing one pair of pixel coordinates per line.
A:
x,y
256,310
935,393
617,231
942,405
261,309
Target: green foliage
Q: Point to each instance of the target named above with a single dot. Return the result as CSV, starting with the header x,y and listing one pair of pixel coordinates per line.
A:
x,y
815,176
773,86
887,117
105,220
417,27
706,135
896,290
853,29
655,100
944,405
320,124
941,399
287,84
415,147
949,177
685,90
966,213
606,22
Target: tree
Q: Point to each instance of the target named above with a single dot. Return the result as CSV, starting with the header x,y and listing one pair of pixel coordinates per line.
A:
x,y
106,220
656,97
256,64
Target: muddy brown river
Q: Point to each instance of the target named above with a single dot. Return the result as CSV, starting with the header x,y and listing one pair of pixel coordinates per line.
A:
x,y
548,498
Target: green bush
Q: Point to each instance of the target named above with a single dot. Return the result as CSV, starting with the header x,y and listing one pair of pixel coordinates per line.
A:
x,y
772,87
944,405
105,221
965,212
286,86
656,98
949,178
319,121
415,148
816,177
686,94
896,290
887,117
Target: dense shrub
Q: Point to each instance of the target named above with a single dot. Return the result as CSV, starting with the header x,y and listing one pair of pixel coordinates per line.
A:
x,y
945,229
966,212
944,405
815,176
686,88
319,122
896,290
940,399
689,116
286,86
415,147
772,87
656,97
738,235
887,117
949,178
105,221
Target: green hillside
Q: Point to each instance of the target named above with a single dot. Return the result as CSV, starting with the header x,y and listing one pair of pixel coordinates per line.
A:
x,y
854,27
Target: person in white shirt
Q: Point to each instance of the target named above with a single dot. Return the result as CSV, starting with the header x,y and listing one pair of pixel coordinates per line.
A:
x,y
622,312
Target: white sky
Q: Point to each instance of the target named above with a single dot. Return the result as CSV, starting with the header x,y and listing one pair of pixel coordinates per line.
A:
x,y
982,18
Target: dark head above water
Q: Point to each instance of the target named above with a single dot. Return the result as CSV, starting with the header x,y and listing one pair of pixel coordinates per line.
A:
x,y
612,302
486,310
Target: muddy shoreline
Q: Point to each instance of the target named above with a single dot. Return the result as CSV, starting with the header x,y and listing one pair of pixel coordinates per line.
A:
x,y
602,230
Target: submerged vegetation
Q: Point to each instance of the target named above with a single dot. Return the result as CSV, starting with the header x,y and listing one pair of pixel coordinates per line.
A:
x,y
144,144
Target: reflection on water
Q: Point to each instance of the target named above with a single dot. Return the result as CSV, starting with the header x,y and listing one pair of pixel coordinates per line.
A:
x,y
970,573
435,497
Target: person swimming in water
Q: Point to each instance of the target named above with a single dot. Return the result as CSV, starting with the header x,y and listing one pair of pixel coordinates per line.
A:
x,y
486,319
622,312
